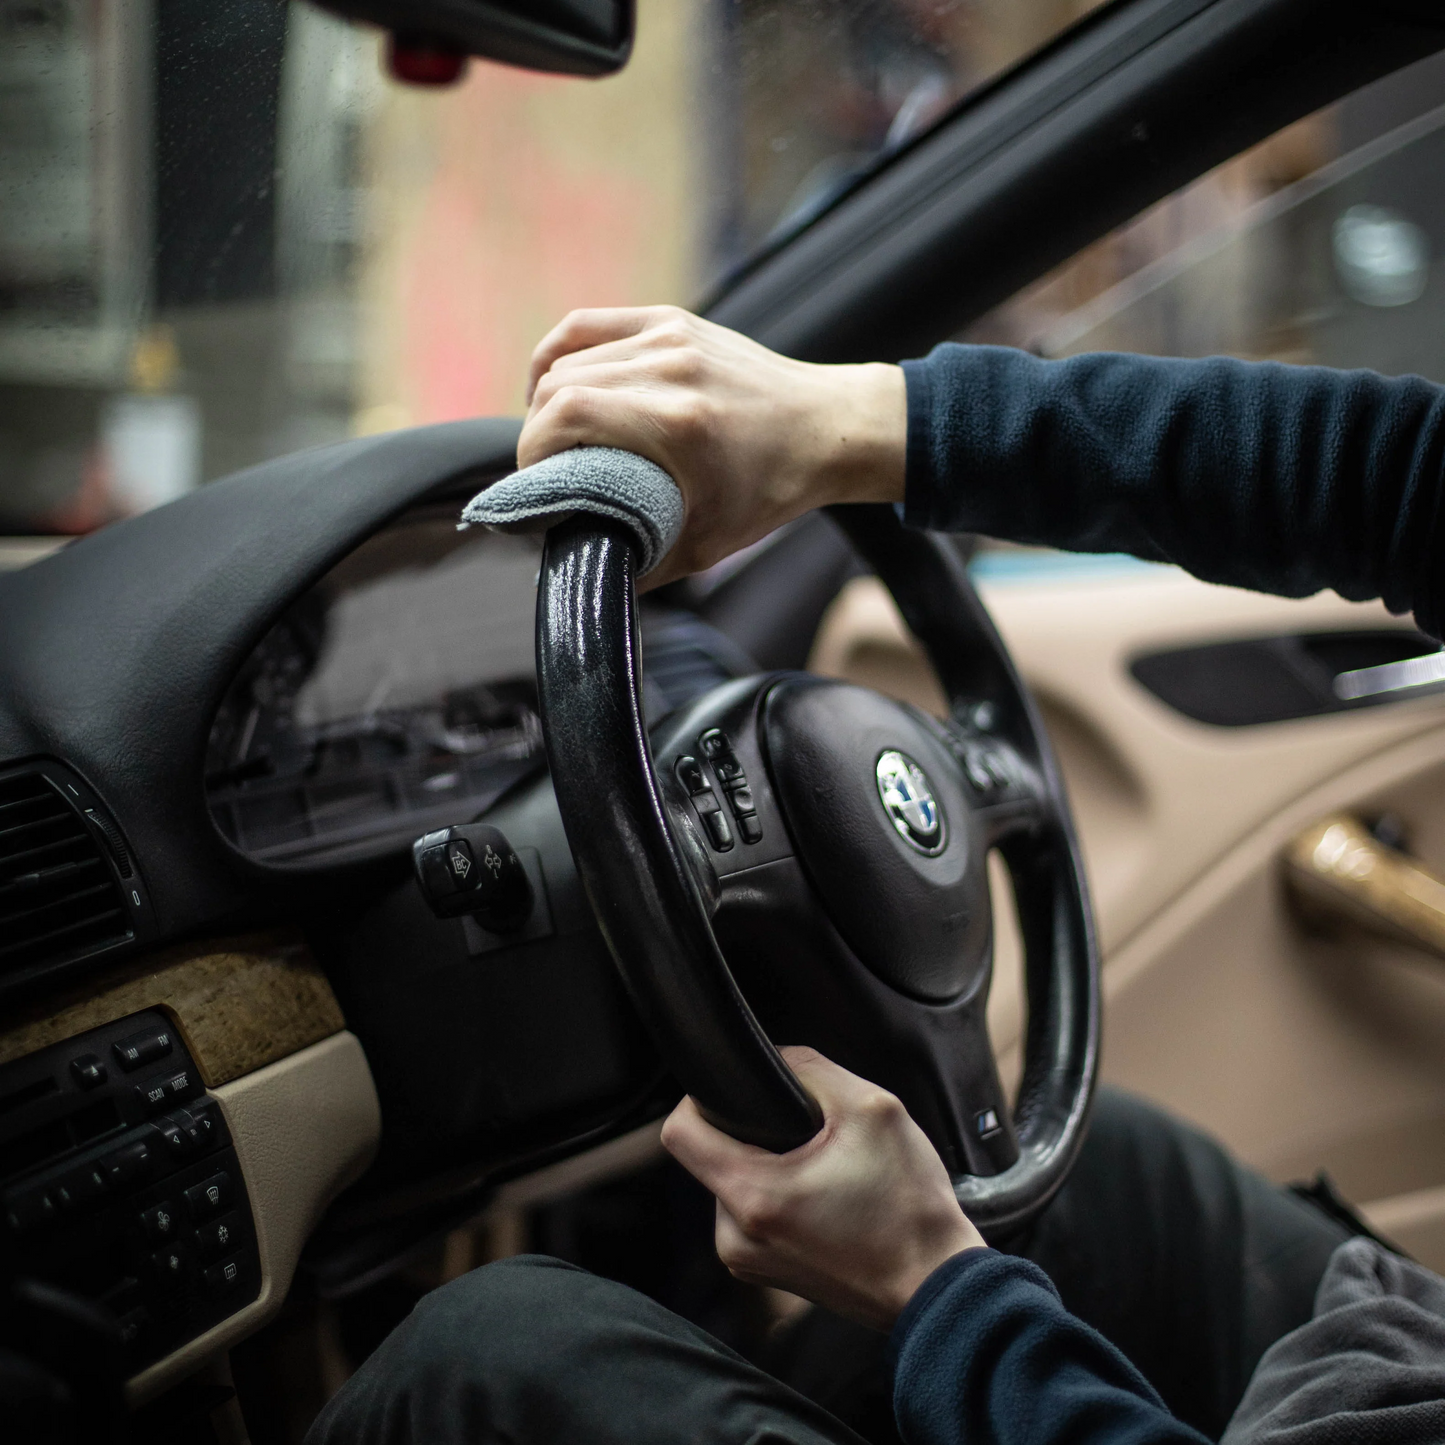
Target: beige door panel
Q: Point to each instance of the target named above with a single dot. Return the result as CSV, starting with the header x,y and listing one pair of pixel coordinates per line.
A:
x,y
1157,797
1302,1049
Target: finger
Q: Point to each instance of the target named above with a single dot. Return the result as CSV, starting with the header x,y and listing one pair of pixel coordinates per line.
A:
x,y
713,1158
742,1256
576,416
606,368
833,1086
579,330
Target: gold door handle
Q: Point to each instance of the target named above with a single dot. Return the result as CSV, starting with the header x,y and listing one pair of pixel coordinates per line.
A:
x,y
1340,866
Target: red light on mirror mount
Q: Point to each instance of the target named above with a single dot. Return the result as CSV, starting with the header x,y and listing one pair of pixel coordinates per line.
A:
x,y
421,60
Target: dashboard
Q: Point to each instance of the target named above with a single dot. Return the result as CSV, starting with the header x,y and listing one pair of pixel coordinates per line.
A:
x,y
222,724
398,694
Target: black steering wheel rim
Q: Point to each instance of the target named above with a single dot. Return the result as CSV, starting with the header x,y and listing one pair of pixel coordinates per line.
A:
x,y
645,890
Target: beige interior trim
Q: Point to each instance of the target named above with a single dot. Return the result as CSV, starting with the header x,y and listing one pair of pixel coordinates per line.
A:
x,y
628,1152
1414,1221
16,552
1157,798
1301,1051
304,1128
239,1003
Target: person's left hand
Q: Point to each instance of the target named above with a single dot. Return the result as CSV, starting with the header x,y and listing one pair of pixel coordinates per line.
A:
x,y
855,1219
751,438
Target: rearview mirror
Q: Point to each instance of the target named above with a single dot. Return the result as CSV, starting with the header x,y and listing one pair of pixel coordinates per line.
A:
x,y
573,37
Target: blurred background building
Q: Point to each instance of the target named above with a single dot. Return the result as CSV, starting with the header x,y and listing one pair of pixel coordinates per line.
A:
x,y
225,234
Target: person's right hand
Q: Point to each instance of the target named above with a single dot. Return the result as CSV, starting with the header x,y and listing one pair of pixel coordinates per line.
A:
x,y
753,439
855,1219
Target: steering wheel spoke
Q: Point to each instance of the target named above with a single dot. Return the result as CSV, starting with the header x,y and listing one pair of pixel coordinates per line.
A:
x,y
1009,793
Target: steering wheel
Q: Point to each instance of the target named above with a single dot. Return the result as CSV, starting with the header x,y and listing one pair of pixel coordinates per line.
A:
x,y
852,901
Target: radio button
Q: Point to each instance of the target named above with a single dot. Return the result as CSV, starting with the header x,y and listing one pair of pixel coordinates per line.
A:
x,y
144,1048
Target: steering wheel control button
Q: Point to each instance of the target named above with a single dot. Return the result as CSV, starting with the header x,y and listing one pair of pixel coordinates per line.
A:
x,y
473,869
691,776
717,748
718,832
908,800
160,1223
88,1071
141,1049
210,1197
987,769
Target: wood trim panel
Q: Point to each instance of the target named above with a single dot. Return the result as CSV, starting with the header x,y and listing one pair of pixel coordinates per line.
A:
x,y
239,1003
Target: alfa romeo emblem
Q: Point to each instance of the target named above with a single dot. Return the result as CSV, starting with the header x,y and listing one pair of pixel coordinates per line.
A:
x,y
909,802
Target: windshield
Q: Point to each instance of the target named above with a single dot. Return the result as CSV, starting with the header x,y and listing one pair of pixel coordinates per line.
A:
x,y
226,235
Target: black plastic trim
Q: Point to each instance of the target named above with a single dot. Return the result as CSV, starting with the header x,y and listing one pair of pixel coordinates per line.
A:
x,y
116,651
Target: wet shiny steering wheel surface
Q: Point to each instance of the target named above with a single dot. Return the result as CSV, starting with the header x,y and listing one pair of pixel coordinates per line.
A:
x,y
795,859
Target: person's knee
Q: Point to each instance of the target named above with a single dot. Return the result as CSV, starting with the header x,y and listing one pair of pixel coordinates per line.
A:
x,y
465,1351
509,1315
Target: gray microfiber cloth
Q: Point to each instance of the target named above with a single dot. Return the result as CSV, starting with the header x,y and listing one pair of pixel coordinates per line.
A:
x,y
1368,1369
621,485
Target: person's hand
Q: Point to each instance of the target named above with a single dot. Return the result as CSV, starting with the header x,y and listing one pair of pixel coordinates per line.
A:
x,y
752,438
855,1219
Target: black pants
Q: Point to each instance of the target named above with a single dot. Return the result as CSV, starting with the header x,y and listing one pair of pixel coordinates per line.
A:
x,y
1192,1265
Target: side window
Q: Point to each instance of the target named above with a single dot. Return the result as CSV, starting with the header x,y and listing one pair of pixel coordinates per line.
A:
x,y
1316,246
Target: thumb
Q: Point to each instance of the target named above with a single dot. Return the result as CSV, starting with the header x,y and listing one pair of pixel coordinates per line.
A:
x,y
833,1086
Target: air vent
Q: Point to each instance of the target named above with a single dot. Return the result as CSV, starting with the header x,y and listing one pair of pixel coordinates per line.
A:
x,y
59,898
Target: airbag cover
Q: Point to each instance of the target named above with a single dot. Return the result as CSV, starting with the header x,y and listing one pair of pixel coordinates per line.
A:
x,y
920,923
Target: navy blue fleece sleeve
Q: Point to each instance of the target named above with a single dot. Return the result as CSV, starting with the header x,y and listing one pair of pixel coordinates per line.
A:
x,y
986,1354
1279,478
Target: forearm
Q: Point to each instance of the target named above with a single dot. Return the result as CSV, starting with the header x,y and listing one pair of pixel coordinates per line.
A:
x,y
986,1353
1278,478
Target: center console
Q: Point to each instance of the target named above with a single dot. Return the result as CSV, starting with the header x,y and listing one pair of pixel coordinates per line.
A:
x,y
119,1183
